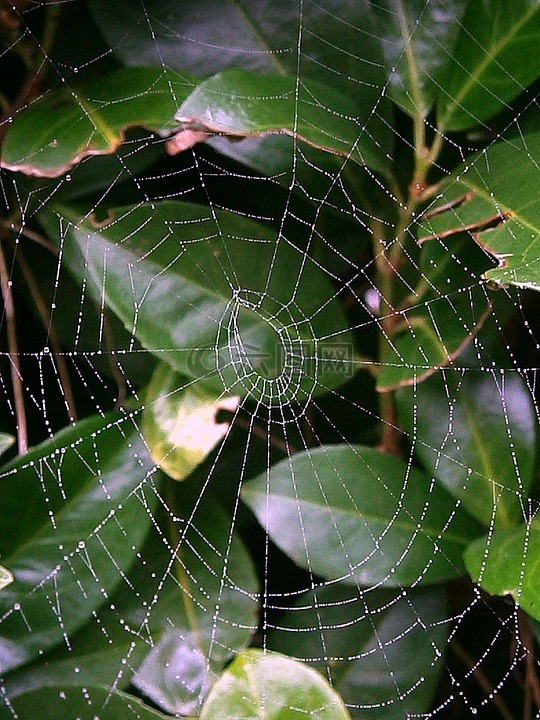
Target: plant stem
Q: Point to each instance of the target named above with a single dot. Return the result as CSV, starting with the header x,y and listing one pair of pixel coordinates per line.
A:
x,y
482,679
16,378
179,570
37,67
52,335
532,682
30,234
117,375
385,272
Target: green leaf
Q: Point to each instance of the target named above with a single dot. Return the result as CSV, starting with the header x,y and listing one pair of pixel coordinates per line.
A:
x,y
507,562
380,649
214,607
6,441
261,685
74,509
215,295
361,516
441,316
254,36
417,40
64,126
264,37
243,104
475,431
494,59
179,422
492,197
160,629
84,703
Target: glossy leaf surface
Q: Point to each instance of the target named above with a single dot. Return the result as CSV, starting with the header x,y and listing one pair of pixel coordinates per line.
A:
x,y
494,59
98,480
417,40
475,431
507,562
84,703
240,104
375,645
215,295
64,126
267,686
356,514
157,629
494,197
441,316
259,36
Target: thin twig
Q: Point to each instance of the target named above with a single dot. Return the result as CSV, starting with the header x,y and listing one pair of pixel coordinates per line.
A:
x,y
263,434
532,683
30,234
38,69
16,377
115,371
51,335
482,679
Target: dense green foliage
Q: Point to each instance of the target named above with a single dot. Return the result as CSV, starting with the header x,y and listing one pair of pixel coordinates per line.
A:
x,y
270,277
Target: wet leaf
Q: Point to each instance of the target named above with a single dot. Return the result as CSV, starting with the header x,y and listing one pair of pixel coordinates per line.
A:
x,y
74,510
158,644
217,296
211,595
441,316
494,197
358,515
417,39
475,431
267,686
260,36
64,126
84,703
507,562
239,104
381,649
493,60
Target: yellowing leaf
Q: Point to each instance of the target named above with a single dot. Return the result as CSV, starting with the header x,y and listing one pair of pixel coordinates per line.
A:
x,y
179,422
5,577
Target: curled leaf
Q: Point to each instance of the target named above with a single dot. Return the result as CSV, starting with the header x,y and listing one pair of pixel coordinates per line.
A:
x,y
239,104
56,132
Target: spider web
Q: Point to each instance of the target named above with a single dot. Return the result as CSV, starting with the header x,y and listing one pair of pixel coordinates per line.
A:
x,y
162,584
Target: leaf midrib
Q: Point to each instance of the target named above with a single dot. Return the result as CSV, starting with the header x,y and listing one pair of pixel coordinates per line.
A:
x,y
326,508
487,59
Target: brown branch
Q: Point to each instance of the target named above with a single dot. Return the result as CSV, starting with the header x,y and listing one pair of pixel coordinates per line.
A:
x,y
16,377
390,435
37,73
532,683
30,234
117,375
52,336
263,434
482,679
